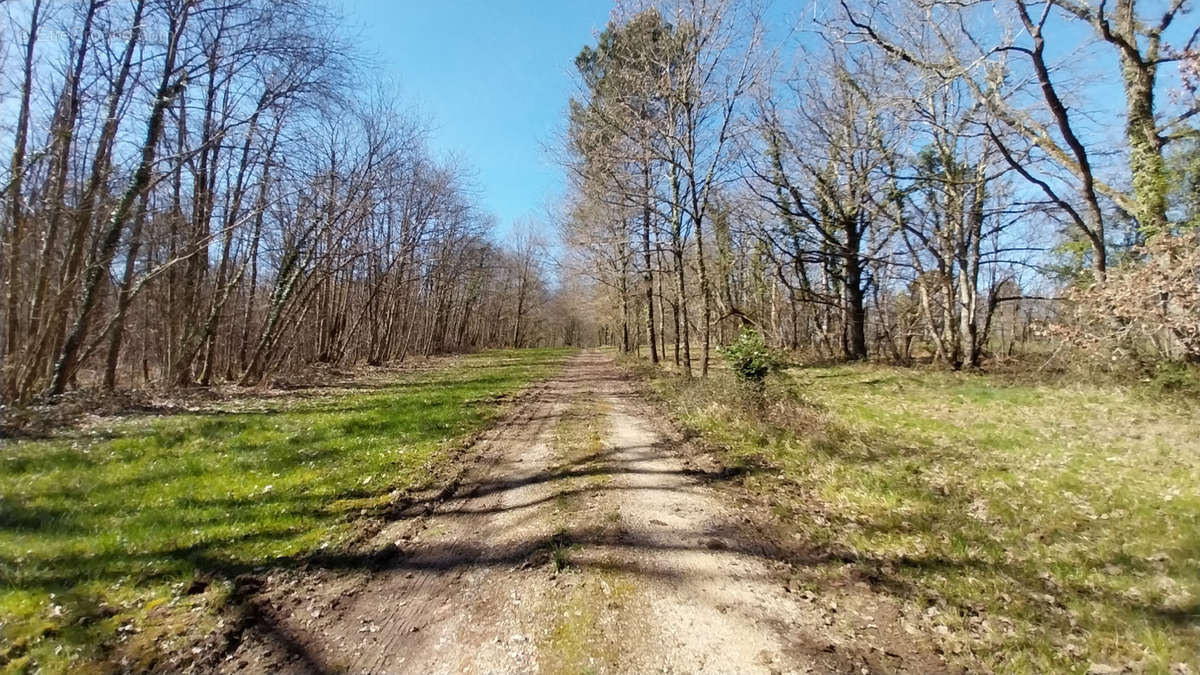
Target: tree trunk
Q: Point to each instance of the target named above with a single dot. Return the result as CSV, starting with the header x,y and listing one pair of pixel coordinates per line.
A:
x,y
648,273
124,295
63,133
15,232
64,368
705,301
856,314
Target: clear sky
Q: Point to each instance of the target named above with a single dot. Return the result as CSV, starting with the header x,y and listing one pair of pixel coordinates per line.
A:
x,y
493,77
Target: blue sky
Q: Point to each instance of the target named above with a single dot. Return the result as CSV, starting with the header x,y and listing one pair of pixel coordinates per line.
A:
x,y
493,77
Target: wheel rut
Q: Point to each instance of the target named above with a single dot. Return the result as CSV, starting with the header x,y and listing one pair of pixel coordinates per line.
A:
x,y
580,537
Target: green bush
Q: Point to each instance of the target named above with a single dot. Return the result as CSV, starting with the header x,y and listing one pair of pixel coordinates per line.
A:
x,y
750,358
1174,380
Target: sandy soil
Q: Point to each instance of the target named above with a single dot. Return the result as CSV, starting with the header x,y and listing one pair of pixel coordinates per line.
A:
x,y
629,558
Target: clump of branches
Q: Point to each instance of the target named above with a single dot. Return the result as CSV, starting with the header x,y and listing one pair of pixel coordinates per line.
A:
x,y
1147,312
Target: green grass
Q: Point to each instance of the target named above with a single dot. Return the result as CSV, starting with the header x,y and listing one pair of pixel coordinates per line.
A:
x,y
579,447
103,529
1048,527
585,626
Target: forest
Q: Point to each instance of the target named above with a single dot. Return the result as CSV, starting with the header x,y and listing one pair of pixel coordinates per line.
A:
x,y
944,182
219,192
200,194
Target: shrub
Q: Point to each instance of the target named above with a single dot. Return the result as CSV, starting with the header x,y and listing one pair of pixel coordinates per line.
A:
x,y
750,358
1175,380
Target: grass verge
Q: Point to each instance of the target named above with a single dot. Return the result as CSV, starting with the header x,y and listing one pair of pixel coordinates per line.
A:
x,y
1039,527
124,534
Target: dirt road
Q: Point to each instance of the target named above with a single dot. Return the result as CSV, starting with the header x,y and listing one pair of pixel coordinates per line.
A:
x,y
581,538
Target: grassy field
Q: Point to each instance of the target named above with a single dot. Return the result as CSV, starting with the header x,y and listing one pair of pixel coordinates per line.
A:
x,y
1036,527
104,530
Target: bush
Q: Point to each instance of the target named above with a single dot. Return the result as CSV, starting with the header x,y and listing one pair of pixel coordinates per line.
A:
x,y
750,358
1146,313
1175,380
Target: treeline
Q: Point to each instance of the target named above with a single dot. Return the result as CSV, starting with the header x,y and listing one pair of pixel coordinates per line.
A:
x,y
201,192
938,181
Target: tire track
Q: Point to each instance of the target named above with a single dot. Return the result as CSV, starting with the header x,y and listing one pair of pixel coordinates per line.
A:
x,y
662,572
404,590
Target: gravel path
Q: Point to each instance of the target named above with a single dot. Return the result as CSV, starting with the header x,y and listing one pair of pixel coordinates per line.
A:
x,y
629,558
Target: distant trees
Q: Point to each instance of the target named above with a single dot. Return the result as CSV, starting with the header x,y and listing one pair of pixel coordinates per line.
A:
x,y
617,154
200,192
823,170
655,131
929,173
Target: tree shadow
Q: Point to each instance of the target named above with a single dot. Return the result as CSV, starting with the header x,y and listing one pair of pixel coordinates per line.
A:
x,y
233,555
